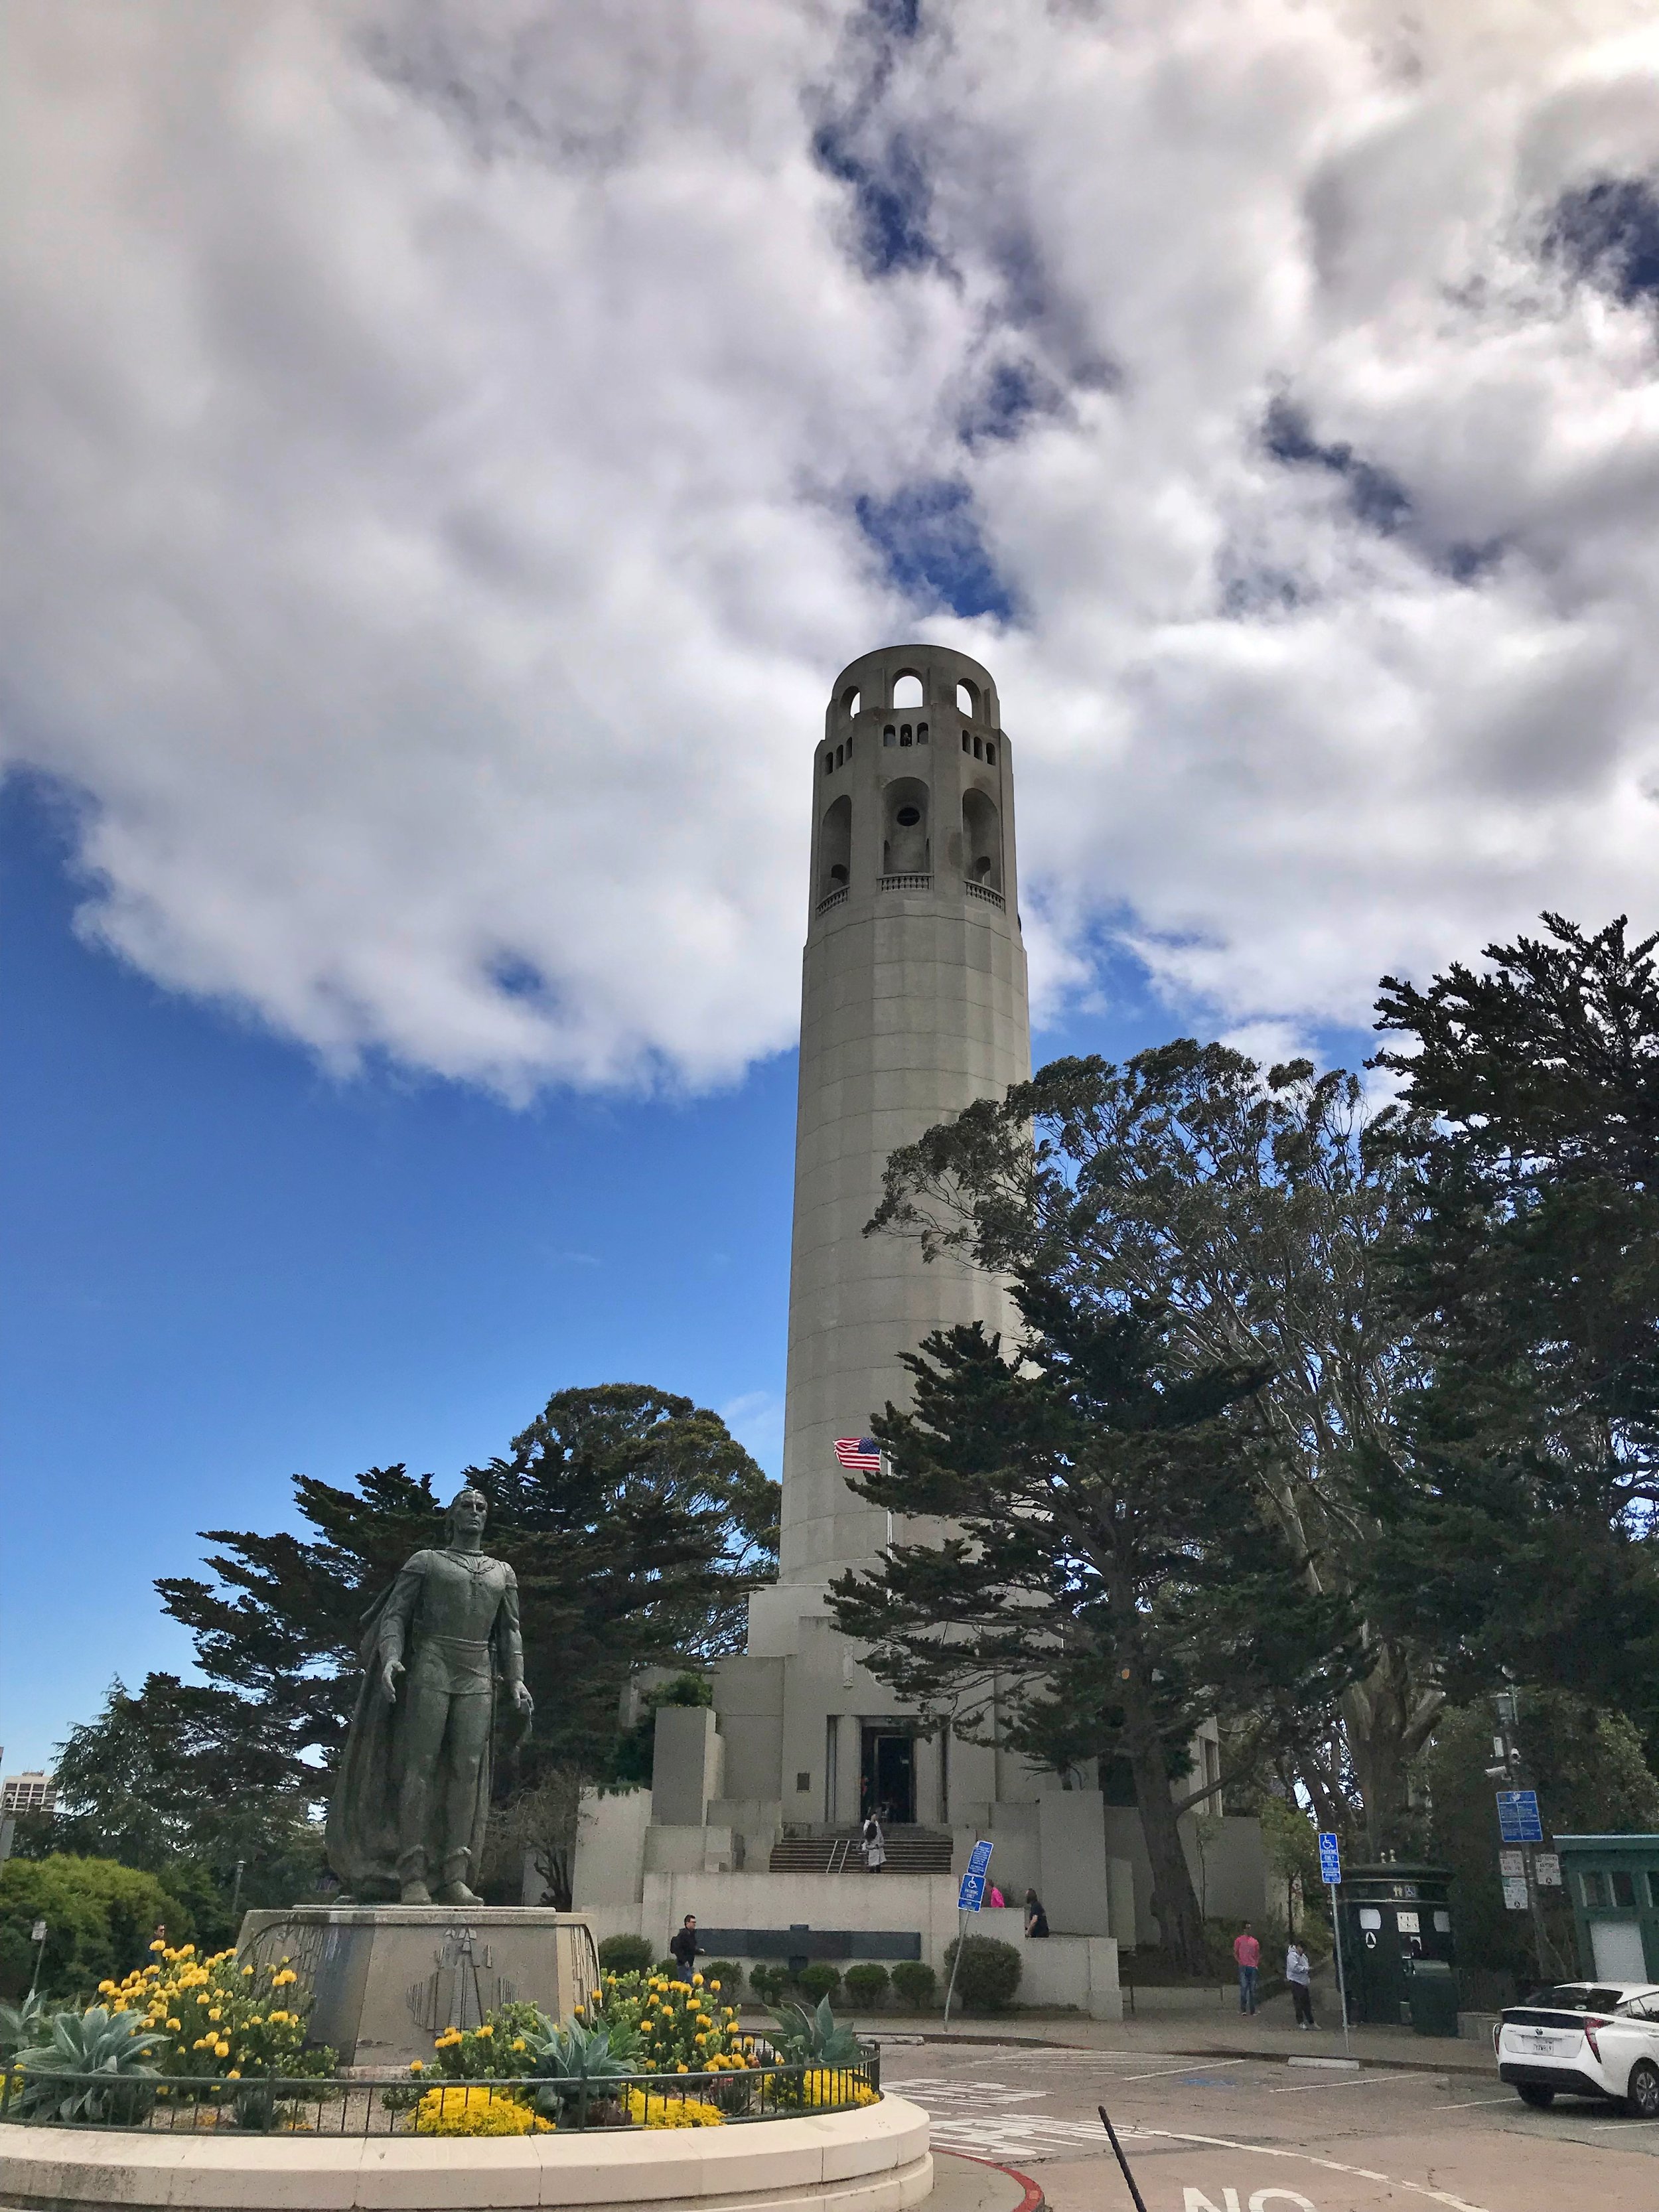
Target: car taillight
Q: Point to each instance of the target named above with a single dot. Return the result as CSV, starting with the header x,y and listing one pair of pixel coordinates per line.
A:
x,y
1496,2032
1592,2021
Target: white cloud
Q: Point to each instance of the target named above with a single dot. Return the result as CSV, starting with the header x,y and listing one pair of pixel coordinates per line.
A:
x,y
429,438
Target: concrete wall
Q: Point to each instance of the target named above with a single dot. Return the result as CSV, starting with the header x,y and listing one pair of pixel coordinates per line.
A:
x,y
610,1848
688,1765
1235,1886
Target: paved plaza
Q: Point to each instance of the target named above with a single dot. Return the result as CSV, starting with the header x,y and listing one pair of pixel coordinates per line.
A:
x,y
1262,2134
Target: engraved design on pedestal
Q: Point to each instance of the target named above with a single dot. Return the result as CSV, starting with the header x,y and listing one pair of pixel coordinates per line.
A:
x,y
462,1989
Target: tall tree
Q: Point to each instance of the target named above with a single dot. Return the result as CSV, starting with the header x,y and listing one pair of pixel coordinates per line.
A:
x,y
1252,1206
634,1522
1531,1283
1109,1581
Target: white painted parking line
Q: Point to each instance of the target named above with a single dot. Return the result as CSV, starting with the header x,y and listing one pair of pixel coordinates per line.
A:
x,y
1464,2103
1355,2081
1193,2066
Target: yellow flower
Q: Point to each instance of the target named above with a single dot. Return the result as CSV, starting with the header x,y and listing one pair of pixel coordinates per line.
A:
x,y
715,1987
247,1970
418,2065
682,2068
158,1945
105,1987
216,2013
578,2010
518,2043
485,2030
222,2050
173,2026
696,1981
234,2074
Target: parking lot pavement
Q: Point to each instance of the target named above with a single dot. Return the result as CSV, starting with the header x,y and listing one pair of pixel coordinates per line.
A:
x,y
1245,2135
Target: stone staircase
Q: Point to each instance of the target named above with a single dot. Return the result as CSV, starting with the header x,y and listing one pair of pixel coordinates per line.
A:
x,y
909,1850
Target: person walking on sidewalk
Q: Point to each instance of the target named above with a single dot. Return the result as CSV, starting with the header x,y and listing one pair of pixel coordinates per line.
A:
x,y
1247,1953
1298,1972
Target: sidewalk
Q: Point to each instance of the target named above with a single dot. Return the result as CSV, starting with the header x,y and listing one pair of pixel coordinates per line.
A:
x,y
1206,2029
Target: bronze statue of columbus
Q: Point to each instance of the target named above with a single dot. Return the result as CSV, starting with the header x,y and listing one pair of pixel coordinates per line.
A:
x,y
413,1793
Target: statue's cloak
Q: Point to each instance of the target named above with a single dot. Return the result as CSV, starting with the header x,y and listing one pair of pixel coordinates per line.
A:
x,y
362,1813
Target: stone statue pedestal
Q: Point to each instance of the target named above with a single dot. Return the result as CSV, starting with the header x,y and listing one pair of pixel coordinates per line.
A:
x,y
384,1979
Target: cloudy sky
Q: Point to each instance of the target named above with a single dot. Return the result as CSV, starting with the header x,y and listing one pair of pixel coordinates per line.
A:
x,y
446,452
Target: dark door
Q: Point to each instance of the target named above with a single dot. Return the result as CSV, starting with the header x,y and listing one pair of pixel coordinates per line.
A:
x,y
887,1774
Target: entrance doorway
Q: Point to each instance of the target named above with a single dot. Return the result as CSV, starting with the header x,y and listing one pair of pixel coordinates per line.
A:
x,y
887,1773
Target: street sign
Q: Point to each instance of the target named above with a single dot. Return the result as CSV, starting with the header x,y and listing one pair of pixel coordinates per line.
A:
x,y
971,1895
1512,1865
1515,1892
1330,1857
1546,1870
38,1933
1518,1816
979,1862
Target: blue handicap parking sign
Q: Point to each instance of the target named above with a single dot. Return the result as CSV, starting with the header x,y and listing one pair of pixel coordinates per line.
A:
x,y
971,1895
1517,1817
980,1861
1330,1858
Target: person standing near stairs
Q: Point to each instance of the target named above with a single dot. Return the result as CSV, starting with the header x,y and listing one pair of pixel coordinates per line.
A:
x,y
873,1845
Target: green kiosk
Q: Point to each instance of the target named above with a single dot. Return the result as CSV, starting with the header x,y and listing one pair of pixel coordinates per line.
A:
x,y
1397,1954
1613,1885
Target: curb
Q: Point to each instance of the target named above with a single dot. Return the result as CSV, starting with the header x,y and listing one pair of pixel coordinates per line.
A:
x,y
1033,2201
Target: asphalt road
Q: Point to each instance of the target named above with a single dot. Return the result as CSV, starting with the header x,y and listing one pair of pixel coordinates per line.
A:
x,y
1253,2135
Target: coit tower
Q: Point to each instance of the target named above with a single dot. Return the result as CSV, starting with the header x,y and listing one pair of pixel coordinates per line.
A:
x,y
912,1004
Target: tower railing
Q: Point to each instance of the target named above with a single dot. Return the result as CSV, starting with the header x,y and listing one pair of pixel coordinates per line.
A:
x,y
983,890
922,882
832,898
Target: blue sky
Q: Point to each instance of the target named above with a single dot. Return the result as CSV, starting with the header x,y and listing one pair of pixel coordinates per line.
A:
x,y
226,1267
456,449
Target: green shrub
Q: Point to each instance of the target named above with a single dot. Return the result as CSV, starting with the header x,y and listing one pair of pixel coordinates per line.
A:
x,y
915,1984
820,1981
866,1984
989,1973
100,1919
626,1954
768,1983
114,2046
728,1973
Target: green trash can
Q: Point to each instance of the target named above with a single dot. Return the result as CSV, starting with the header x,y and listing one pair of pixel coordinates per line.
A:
x,y
1433,1996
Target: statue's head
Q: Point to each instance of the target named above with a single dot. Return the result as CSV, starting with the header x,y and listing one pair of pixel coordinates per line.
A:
x,y
468,1511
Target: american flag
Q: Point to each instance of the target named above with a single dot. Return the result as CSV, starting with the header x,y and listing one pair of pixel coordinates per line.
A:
x,y
859,1454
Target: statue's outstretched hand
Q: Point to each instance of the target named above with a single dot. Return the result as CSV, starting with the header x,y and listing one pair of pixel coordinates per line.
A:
x,y
389,1674
522,1700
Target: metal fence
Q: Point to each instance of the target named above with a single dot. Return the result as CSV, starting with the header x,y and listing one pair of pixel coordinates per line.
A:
x,y
339,2105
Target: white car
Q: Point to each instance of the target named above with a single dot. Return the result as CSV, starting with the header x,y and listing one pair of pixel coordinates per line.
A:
x,y
1584,2039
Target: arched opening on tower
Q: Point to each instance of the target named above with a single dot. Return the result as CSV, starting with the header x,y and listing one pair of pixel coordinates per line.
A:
x,y
981,841
967,700
836,847
905,849
906,691
849,700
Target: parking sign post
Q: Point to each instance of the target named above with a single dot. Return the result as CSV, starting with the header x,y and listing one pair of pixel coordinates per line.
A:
x,y
970,1898
1330,1872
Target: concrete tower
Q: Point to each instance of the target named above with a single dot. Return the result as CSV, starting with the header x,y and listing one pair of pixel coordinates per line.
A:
x,y
913,1005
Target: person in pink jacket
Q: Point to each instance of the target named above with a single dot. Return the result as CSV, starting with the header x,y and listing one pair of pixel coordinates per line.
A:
x,y
1247,1953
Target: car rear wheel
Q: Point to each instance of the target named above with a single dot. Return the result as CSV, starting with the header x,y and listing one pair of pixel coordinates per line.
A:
x,y
1642,2091
1530,2093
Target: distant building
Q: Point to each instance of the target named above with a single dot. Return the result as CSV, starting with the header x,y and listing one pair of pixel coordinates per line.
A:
x,y
27,1793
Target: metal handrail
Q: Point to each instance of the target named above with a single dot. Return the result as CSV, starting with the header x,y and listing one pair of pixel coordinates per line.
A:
x,y
345,2105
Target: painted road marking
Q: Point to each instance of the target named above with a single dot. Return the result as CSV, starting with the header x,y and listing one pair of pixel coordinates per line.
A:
x,y
1308,2157
1196,2067
1354,2082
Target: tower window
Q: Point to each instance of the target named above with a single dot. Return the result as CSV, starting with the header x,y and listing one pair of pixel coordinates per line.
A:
x,y
908,817
835,843
889,735
849,702
990,754
904,733
979,750
967,743
967,699
906,691
841,754
922,734
828,761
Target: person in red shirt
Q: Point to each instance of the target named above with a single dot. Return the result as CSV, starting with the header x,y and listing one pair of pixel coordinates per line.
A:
x,y
1248,1952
